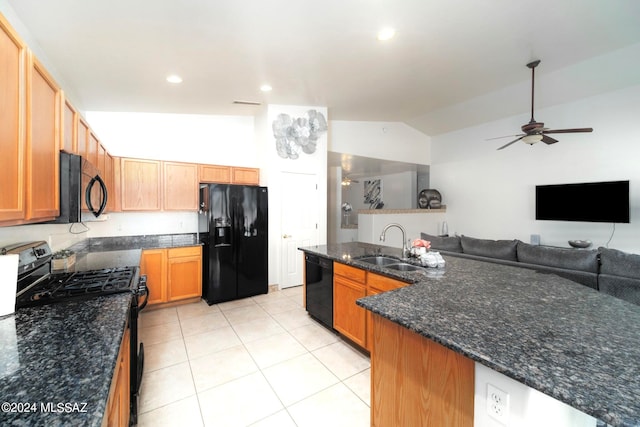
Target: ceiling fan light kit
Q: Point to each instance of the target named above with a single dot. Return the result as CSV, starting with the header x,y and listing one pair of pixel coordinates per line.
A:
x,y
535,131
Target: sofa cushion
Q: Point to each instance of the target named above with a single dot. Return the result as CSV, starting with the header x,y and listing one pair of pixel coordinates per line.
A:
x,y
502,249
571,259
451,244
618,263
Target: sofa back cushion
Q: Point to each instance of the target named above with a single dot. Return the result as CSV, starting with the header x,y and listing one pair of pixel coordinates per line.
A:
x,y
571,259
618,263
501,249
449,244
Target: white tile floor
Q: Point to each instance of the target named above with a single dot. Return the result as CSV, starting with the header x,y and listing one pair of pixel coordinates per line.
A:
x,y
259,361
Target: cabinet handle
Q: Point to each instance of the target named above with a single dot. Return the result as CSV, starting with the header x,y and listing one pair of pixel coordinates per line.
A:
x,y
286,236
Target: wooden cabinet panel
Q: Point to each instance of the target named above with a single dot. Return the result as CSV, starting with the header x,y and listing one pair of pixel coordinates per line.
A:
x,y
153,264
69,128
118,410
116,194
349,272
109,181
349,318
93,146
43,130
180,186
184,273
245,176
214,174
416,381
140,185
82,132
12,124
383,283
172,274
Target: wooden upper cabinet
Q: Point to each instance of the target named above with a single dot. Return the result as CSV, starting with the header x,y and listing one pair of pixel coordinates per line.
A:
x,y
140,185
215,174
110,181
12,120
43,130
180,186
82,132
93,148
245,176
69,128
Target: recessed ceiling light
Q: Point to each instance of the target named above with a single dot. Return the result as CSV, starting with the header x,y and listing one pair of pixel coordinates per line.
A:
x,y
266,88
173,78
386,33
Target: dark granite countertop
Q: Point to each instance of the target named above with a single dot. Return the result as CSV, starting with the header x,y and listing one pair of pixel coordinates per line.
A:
x,y
564,339
60,353
156,241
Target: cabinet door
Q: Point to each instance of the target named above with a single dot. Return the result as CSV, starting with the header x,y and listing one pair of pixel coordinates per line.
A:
x,y
43,125
349,318
180,186
69,128
12,116
246,176
377,284
82,132
153,265
140,185
108,179
184,273
215,174
93,146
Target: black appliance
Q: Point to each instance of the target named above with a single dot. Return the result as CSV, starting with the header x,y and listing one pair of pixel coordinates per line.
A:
x,y
38,285
233,227
588,202
319,288
80,181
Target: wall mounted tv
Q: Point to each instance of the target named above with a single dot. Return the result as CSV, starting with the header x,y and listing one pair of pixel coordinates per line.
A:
x,y
588,202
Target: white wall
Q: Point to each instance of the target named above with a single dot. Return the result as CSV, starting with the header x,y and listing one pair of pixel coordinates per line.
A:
x,y
370,226
490,194
380,140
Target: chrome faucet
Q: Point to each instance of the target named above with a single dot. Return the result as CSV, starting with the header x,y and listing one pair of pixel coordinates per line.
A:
x,y
405,249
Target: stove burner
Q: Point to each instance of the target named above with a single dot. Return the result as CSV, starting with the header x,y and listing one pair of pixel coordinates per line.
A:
x,y
83,284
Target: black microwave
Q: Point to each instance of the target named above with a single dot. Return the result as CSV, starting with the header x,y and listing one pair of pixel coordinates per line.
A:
x,y
80,180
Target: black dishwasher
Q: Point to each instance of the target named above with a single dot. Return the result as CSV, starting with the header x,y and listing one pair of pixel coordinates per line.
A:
x,y
319,288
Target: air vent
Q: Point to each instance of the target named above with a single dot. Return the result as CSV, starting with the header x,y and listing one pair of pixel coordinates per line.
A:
x,y
247,102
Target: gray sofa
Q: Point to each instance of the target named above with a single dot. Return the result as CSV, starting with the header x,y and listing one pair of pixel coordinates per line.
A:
x,y
610,271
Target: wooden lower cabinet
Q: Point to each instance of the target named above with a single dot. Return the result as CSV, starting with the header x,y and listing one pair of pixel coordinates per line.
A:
x,y
416,381
350,284
172,274
348,318
184,272
118,410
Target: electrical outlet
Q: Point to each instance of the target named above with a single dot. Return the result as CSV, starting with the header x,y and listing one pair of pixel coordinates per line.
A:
x,y
497,404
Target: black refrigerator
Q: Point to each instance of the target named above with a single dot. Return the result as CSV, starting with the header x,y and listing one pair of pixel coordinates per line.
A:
x,y
233,225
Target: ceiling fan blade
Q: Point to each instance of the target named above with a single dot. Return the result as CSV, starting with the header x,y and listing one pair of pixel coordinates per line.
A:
x,y
512,142
568,130
548,140
505,136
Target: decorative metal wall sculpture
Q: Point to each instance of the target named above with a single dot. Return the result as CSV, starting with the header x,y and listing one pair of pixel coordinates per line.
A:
x,y
295,135
373,193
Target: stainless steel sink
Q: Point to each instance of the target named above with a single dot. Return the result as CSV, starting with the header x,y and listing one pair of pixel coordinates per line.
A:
x,y
380,260
401,266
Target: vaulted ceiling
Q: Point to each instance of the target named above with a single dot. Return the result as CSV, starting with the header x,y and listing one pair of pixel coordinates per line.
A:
x,y
451,64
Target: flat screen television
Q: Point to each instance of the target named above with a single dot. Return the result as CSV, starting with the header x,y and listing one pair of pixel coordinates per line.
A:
x,y
588,202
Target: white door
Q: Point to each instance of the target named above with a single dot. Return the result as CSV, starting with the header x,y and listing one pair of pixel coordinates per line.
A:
x,y
300,218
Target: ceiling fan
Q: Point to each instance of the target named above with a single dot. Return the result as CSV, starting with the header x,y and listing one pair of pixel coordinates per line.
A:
x,y
535,131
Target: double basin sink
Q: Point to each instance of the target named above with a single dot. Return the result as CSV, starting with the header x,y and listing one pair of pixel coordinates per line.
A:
x,y
390,263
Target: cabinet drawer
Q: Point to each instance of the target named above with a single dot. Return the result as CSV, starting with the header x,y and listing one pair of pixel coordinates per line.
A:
x,y
186,251
383,283
352,273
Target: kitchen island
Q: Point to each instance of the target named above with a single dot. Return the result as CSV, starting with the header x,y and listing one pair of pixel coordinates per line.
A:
x,y
561,338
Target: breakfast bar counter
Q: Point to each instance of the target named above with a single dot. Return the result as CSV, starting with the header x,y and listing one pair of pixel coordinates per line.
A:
x,y
564,339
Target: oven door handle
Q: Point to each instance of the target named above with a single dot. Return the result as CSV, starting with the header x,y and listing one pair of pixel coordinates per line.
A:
x,y
145,291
